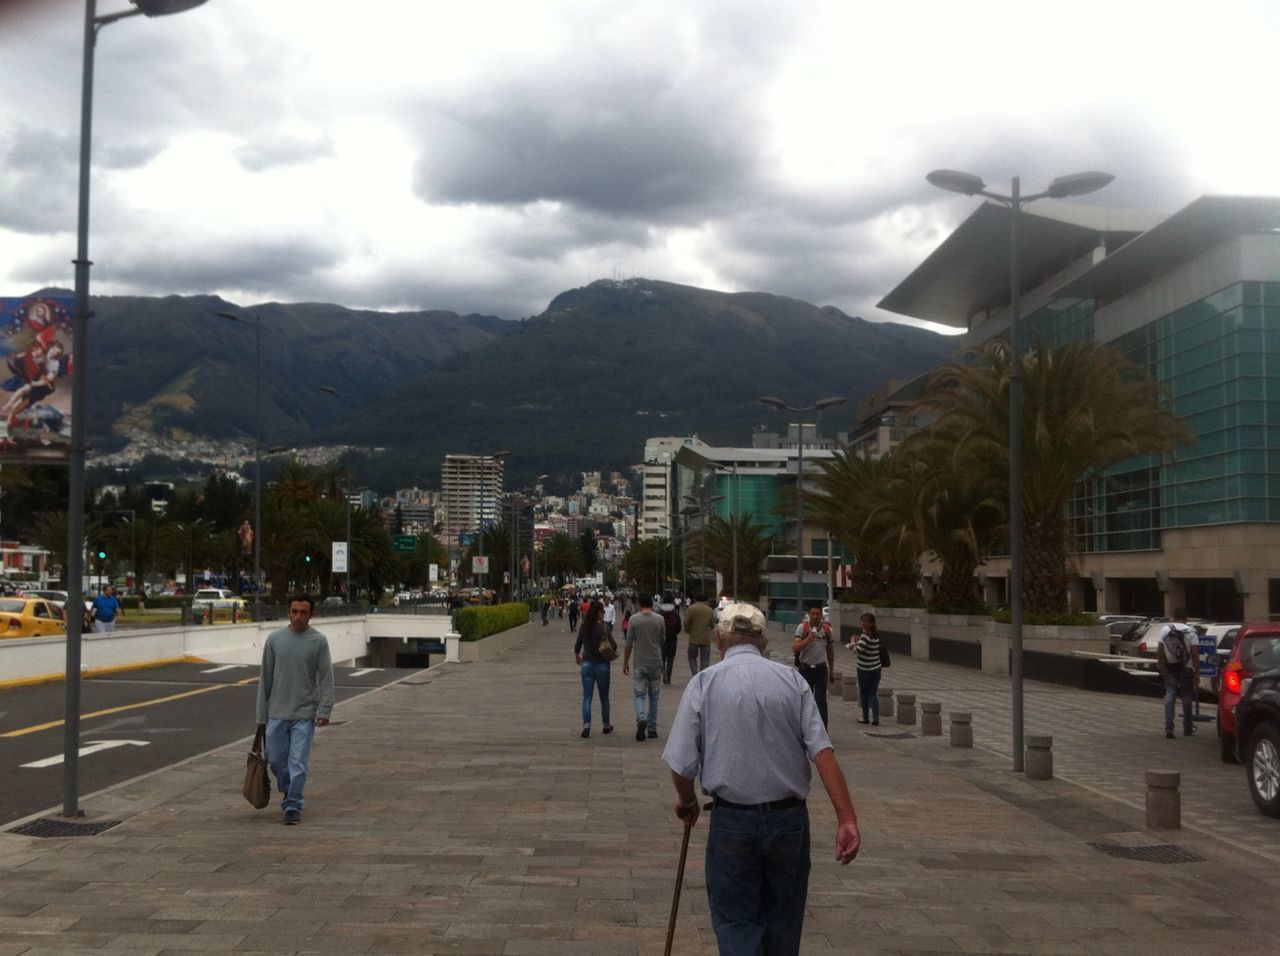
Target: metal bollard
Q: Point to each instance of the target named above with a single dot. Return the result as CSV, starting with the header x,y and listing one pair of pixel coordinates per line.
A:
x,y
931,719
886,701
849,688
907,709
1039,760
1164,802
961,729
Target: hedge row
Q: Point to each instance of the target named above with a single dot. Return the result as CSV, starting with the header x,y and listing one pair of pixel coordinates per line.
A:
x,y
474,623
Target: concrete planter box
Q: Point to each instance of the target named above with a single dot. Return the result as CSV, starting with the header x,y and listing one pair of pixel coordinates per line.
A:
x,y
458,651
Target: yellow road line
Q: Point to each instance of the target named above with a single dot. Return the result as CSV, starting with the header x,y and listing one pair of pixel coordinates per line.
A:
x,y
23,731
90,672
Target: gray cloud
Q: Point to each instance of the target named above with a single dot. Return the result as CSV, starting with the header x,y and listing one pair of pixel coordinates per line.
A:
x,y
38,169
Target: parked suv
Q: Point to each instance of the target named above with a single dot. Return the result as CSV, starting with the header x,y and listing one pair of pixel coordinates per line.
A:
x,y
1257,649
1258,729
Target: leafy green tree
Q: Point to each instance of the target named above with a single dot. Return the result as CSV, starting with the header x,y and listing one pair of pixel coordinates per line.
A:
x,y
587,548
1084,408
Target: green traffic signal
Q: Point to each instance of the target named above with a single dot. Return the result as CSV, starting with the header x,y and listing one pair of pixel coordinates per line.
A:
x,y
102,554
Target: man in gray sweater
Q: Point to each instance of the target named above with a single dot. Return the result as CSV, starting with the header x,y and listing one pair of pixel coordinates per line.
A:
x,y
295,695
646,632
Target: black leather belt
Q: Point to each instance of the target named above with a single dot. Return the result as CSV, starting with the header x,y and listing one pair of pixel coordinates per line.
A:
x,y
790,803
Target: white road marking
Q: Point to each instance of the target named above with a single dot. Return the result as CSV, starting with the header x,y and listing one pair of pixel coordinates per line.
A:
x,y
90,747
224,667
367,670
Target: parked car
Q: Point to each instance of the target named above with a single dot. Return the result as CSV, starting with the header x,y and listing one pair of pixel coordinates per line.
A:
x,y
30,617
219,599
1257,718
1256,646
1132,632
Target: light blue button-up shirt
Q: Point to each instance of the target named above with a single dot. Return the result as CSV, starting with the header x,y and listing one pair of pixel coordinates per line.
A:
x,y
750,726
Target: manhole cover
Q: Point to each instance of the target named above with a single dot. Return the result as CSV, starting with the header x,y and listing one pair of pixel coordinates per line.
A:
x,y
49,827
1160,853
892,736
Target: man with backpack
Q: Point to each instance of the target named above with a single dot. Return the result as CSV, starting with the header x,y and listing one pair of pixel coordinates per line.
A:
x,y
671,617
1177,653
815,656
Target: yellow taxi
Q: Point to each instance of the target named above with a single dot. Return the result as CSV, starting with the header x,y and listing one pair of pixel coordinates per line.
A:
x,y
30,617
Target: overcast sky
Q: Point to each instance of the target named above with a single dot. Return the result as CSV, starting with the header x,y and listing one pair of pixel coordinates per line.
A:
x,y
484,155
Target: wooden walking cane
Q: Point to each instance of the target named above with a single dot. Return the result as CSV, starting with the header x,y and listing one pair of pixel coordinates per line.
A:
x,y
675,900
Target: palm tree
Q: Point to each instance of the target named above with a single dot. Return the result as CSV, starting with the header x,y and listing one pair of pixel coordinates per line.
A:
x,y
754,545
294,483
50,533
843,502
560,556
1085,407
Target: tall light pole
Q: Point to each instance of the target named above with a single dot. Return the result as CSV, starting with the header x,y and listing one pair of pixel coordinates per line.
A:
x,y
1076,184
79,397
346,498
256,322
817,406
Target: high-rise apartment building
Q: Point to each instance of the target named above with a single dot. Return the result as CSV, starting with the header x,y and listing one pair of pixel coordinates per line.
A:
x,y
470,495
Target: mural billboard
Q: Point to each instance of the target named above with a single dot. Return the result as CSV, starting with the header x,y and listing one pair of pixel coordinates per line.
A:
x,y
35,404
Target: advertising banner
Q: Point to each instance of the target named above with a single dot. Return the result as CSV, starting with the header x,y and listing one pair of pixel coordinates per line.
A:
x,y
35,404
339,557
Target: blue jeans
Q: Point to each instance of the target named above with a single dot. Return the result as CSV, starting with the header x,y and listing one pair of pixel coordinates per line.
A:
x,y
647,681
699,657
1181,684
288,753
757,870
595,674
868,684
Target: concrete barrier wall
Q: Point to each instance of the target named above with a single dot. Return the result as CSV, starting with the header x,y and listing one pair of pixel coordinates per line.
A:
x,y
35,658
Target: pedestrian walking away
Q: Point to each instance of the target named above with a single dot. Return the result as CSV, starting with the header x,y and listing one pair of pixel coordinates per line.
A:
x,y
610,614
815,656
749,727
869,669
593,667
573,614
1178,657
646,634
698,621
672,618
295,696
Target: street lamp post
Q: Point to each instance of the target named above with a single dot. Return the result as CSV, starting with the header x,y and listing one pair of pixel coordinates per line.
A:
x,y
346,498
79,384
817,406
1076,184
256,322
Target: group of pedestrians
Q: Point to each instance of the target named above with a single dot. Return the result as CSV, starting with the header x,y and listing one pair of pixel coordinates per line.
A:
x,y
748,729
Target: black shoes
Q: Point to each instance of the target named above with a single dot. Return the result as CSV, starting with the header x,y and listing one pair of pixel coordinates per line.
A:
x,y
1169,734
292,817
1187,732
640,730
652,735
876,722
608,728
864,721
586,731
666,678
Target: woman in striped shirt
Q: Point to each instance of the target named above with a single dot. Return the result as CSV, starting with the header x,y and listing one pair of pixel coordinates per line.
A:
x,y
868,648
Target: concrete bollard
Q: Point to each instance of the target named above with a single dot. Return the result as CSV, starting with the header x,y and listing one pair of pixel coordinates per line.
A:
x,y
1164,802
849,688
835,678
931,719
886,702
907,709
961,729
1038,764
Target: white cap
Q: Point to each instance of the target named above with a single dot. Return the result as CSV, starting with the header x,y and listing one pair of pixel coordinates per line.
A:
x,y
741,617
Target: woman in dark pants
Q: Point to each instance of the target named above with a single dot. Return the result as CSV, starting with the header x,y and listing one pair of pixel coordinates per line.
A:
x,y
868,649
595,669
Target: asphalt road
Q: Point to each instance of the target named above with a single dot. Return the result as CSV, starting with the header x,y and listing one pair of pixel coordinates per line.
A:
x,y
132,723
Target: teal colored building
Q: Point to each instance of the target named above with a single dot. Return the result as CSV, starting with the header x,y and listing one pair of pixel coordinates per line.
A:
x,y
1194,298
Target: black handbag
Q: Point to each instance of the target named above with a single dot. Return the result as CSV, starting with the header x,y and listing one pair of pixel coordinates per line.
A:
x,y
884,657
257,787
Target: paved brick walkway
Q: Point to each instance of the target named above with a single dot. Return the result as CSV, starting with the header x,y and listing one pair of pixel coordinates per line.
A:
x,y
460,812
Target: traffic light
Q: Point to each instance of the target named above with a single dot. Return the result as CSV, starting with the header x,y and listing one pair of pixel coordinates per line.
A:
x,y
307,557
102,554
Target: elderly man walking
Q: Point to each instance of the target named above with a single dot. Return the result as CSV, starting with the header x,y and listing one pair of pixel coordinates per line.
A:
x,y
750,727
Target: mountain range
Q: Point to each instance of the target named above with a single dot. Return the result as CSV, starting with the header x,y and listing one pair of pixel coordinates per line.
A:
x,y
578,387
